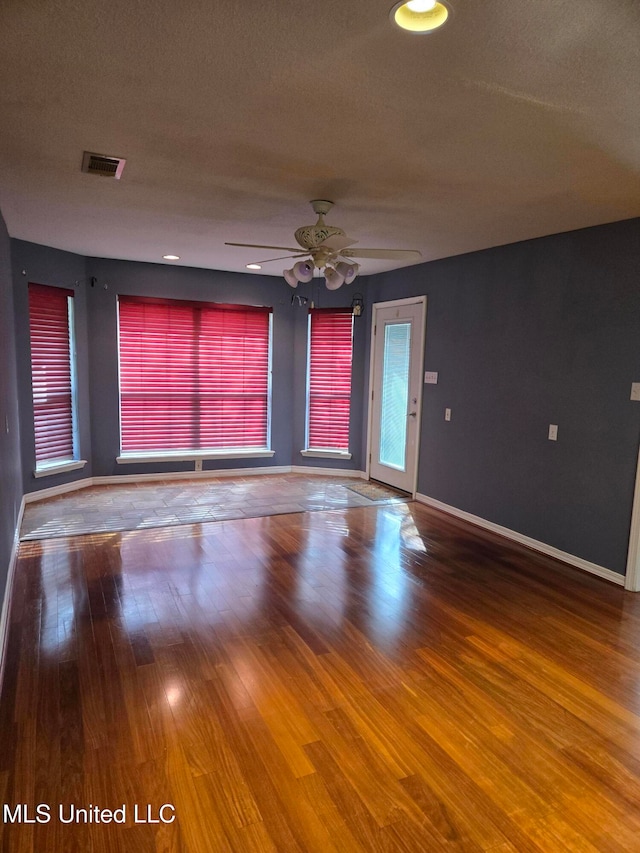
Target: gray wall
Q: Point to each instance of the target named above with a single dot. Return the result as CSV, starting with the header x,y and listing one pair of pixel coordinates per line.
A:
x,y
43,265
113,277
10,471
539,332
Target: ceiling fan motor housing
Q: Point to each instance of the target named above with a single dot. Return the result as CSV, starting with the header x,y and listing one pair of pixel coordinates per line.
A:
x,y
312,236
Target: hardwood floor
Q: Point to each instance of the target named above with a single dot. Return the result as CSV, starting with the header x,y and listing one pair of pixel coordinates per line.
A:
x,y
369,679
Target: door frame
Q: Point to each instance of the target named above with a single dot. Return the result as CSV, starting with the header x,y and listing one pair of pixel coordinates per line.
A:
x,y
632,575
377,306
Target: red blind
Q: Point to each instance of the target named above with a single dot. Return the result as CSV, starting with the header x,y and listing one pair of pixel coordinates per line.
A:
x,y
193,376
330,354
51,372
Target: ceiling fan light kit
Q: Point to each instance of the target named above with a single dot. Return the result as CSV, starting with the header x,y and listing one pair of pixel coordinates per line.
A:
x,y
347,271
329,249
302,271
333,278
420,16
290,278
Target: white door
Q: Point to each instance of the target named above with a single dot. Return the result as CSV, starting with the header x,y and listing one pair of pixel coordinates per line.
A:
x,y
397,357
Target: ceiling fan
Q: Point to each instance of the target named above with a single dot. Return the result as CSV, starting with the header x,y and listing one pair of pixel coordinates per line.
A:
x,y
326,247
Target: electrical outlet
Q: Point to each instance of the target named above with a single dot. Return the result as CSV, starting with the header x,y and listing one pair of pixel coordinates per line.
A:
x,y
635,390
553,432
447,414
198,465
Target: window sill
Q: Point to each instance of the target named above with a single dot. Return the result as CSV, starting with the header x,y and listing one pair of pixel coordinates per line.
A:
x,y
326,454
56,467
194,455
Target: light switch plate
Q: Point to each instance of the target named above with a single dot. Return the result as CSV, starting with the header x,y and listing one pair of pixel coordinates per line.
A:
x,y
431,377
553,432
447,414
635,390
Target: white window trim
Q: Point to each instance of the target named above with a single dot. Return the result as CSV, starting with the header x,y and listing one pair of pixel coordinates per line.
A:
x,y
74,463
73,358
137,456
327,454
194,455
57,466
316,452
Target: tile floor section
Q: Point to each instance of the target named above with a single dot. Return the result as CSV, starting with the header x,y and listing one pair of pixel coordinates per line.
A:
x,y
142,506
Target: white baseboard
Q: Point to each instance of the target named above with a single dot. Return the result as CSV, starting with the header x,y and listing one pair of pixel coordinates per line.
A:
x,y
114,479
534,544
521,539
8,593
43,494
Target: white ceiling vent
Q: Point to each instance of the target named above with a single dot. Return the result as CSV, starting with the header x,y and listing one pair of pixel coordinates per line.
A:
x,y
100,164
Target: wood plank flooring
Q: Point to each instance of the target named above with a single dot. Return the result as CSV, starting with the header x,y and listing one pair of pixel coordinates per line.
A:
x,y
369,679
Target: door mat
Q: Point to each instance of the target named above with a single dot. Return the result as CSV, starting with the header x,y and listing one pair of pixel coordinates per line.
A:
x,y
379,493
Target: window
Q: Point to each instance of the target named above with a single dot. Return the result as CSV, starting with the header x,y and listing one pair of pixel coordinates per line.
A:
x,y
329,379
52,375
193,376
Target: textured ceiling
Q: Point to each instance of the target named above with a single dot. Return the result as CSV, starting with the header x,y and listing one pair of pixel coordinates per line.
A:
x,y
516,120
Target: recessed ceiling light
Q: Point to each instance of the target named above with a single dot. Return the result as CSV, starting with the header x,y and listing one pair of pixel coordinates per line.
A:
x,y
421,5
171,257
420,16
254,267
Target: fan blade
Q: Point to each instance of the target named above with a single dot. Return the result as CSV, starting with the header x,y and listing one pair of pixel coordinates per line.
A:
x,y
382,254
337,242
282,258
258,246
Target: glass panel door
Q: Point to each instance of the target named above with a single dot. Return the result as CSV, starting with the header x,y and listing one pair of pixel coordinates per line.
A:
x,y
395,395
397,357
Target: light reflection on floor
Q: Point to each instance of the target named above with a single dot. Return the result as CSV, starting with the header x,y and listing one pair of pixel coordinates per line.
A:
x,y
215,575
